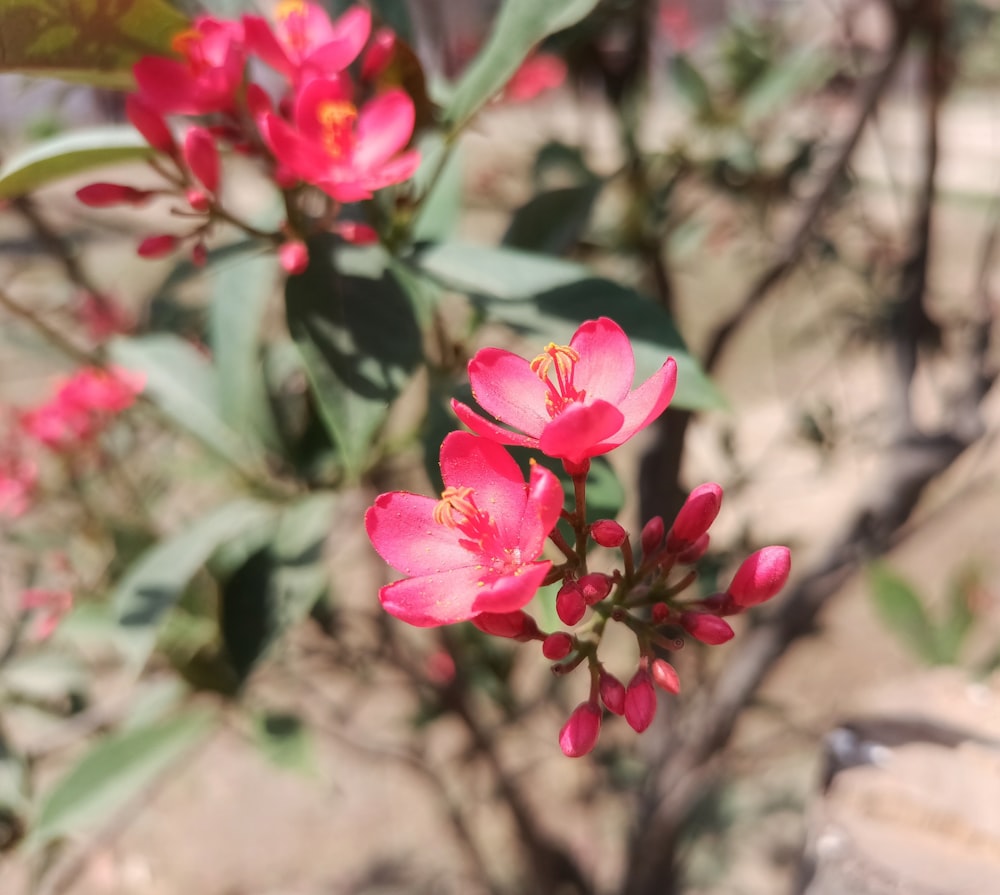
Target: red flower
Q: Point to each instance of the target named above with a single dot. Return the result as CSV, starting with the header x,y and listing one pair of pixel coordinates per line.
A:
x,y
208,77
304,43
586,407
476,549
346,152
538,73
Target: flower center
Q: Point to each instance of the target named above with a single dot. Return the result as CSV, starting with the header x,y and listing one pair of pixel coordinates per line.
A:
x,y
188,44
291,16
336,119
562,360
457,509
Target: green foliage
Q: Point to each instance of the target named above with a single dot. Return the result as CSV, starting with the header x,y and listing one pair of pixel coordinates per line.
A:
x,y
71,153
88,41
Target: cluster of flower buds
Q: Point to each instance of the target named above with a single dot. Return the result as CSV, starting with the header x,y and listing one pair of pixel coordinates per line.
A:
x,y
476,554
328,126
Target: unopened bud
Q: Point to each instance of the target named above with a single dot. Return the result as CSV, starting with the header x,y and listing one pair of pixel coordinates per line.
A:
x,y
157,246
199,254
579,734
612,693
198,200
640,700
379,54
356,233
293,257
512,625
202,157
695,517
570,605
557,646
594,587
652,535
761,576
148,122
661,613
105,195
707,628
665,676
608,533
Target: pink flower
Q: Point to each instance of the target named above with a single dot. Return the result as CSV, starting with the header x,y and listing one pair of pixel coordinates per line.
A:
x,y
476,549
347,153
57,425
304,43
205,80
573,401
51,606
538,73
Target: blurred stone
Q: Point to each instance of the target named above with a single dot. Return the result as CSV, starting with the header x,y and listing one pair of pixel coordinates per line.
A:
x,y
912,794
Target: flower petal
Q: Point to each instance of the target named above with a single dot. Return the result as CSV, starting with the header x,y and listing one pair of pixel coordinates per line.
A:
x,y
346,40
261,41
488,429
505,386
310,102
385,126
646,403
541,512
299,155
167,85
607,364
402,529
576,433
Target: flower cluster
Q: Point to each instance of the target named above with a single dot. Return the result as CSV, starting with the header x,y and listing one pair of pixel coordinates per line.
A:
x,y
328,126
476,554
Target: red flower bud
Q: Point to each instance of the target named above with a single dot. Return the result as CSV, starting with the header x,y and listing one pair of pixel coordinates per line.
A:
x,y
148,122
761,576
640,700
379,54
692,553
557,646
293,257
695,517
570,605
202,157
665,676
199,254
612,693
608,533
707,628
579,734
198,200
104,195
157,246
594,587
355,233
513,625
662,613
652,535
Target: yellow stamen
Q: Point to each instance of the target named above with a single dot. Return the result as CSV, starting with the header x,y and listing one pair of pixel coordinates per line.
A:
x,y
337,118
288,8
561,355
454,506
182,43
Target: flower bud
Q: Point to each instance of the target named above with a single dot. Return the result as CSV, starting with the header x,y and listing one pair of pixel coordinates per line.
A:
x,y
198,200
661,613
570,605
199,254
355,233
157,246
557,646
719,604
612,693
293,256
594,587
761,576
379,54
707,628
579,734
148,122
608,533
665,676
202,157
513,625
693,552
640,700
695,517
104,195
652,535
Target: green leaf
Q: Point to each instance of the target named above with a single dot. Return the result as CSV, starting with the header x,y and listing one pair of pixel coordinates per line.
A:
x,y
360,343
71,153
115,771
278,584
552,221
692,86
240,296
902,611
518,27
801,71
285,741
182,382
91,41
153,585
960,615
548,298
440,200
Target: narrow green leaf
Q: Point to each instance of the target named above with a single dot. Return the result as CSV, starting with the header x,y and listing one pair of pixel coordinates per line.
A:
x,y
552,221
692,86
153,585
115,771
89,41
518,27
899,606
360,343
71,153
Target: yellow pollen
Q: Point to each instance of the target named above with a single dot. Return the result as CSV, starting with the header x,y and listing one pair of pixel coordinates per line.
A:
x,y
288,8
337,118
561,355
455,504
182,43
